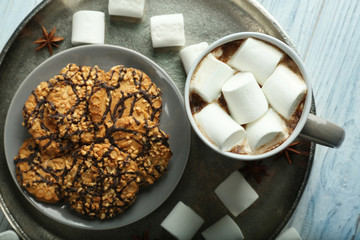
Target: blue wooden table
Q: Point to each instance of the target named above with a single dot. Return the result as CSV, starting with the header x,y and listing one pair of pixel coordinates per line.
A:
x,y
327,37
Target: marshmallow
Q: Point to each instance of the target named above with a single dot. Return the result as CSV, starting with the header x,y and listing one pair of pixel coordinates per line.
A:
x,y
225,229
236,193
257,57
9,235
244,98
209,77
182,222
88,27
284,90
266,129
167,30
289,234
217,125
189,54
127,8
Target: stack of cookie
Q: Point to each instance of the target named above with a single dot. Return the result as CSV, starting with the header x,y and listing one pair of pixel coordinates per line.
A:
x,y
95,139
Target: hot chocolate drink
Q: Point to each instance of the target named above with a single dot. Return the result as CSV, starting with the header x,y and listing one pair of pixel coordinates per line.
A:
x,y
258,87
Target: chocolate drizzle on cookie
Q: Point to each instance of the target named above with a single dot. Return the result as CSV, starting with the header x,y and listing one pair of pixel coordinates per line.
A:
x,y
102,182
102,131
41,175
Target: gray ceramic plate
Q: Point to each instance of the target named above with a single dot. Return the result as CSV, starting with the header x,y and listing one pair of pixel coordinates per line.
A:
x,y
173,121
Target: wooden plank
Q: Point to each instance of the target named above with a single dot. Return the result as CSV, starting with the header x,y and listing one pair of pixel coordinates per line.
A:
x,y
297,18
329,43
9,9
333,63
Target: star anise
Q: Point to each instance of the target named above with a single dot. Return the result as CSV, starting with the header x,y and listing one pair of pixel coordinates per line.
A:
x,y
48,39
145,236
289,149
255,169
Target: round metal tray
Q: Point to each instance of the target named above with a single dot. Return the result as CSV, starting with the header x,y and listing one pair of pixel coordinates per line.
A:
x,y
205,20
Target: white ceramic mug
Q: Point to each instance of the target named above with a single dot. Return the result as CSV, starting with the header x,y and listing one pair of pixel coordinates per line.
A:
x,y
309,127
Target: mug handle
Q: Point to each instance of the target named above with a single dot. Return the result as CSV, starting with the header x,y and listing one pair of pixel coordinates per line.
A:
x,y
322,132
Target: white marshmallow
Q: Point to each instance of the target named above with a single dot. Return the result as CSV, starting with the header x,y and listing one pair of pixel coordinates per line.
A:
x,y
210,77
289,234
182,222
167,30
236,193
88,27
219,127
189,54
225,229
284,90
244,98
127,8
257,57
266,129
9,235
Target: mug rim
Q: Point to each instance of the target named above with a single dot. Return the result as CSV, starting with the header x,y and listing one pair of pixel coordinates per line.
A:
x,y
285,48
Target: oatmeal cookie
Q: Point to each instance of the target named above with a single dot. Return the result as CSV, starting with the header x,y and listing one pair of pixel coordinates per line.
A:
x,y
41,175
125,92
145,142
103,181
56,111
153,161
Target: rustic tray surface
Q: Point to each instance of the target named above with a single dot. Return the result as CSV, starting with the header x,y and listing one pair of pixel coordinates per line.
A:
x,y
205,20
